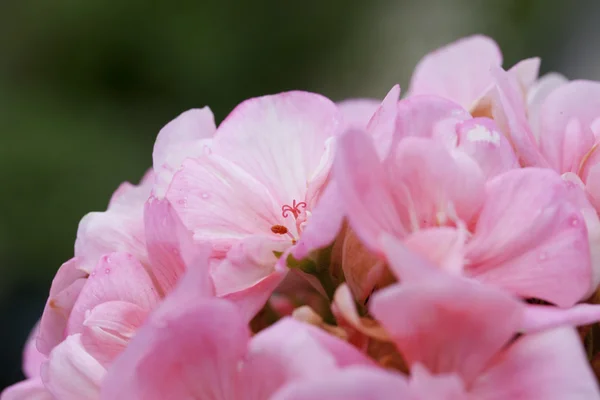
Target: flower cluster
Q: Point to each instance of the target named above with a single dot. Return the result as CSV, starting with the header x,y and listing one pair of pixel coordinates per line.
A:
x,y
445,245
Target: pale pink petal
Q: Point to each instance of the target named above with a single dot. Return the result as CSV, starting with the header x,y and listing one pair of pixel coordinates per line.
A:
x,y
549,365
531,239
443,247
118,276
481,139
459,71
536,96
119,228
248,262
429,117
32,358
430,186
440,387
65,289
279,140
128,194
169,243
283,353
216,199
509,112
382,125
249,301
194,354
29,389
362,184
476,321
356,383
538,318
71,373
108,327
181,138
357,112
526,71
405,264
566,117
324,224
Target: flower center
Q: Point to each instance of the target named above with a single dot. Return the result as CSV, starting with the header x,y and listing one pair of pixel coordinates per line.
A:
x,y
298,211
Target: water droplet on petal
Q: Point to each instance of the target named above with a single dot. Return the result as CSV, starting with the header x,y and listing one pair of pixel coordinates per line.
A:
x,y
574,221
175,251
182,202
108,260
107,271
205,196
93,273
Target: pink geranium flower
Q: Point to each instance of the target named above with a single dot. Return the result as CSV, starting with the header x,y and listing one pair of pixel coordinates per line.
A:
x,y
521,230
257,187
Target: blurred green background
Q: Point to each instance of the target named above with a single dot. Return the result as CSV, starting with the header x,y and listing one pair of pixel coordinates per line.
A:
x,y
85,87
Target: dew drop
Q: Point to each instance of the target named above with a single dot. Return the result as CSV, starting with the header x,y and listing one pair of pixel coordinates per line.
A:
x,y
93,273
175,251
108,260
574,221
182,202
205,196
107,271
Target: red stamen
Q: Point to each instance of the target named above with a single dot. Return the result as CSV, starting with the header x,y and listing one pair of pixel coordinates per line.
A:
x,y
294,209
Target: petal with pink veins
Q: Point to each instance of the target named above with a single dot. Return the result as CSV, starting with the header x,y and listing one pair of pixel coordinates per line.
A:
x,y
531,239
382,125
536,96
279,140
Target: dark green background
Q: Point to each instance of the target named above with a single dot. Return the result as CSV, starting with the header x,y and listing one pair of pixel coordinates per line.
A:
x,y
86,85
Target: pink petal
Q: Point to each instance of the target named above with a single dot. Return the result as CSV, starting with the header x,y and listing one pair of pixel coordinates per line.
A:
x,y
29,389
194,354
566,117
283,353
118,276
526,72
441,386
182,138
357,112
536,96
169,243
382,125
509,112
593,185
119,228
356,383
549,365
448,324
443,247
109,327
65,289
71,373
362,184
32,358
531,240
218,200
481,139
540,318
279,140
459,71
429,117
432,187
129,194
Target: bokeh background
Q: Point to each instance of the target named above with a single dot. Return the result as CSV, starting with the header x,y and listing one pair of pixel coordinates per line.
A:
x,y
85,87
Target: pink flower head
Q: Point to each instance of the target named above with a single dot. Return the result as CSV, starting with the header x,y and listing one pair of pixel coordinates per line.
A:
x,y
257,189
520,227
